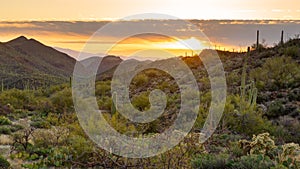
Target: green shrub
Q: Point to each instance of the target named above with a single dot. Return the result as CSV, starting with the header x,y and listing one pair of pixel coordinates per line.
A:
x,y
292,51
4,121
5,130
275,109
152,73
62,101
209,161
19,99
4,164
235,150
14,128
252,162
277,72
102,89
141,102
280,166
140,80
40,124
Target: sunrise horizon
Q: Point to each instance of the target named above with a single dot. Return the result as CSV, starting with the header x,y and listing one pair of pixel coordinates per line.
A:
x,y
68,24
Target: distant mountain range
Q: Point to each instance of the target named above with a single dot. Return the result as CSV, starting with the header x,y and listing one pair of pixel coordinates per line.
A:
x,y
27,63
76,54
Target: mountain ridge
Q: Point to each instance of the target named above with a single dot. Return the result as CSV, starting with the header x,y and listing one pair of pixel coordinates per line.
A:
x,y
27,61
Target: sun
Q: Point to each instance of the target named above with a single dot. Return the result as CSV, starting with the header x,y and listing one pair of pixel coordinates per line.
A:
x,y
192,43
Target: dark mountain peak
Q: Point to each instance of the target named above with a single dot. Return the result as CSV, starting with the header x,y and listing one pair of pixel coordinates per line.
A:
x,y
21,38
112,58
18,40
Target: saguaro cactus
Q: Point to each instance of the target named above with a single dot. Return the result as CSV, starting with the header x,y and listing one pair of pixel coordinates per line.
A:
x,y
113,108
70,81
281,41
257,40
252,90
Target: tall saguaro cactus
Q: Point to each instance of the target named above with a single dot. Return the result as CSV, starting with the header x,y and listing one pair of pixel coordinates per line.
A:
x,y
113,108
250,89
257,40
281,41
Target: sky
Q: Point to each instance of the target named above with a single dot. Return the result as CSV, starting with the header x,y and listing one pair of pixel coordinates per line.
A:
x,y
114,9
228,24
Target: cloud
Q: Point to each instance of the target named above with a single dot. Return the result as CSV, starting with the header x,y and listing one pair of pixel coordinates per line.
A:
x,y
74,34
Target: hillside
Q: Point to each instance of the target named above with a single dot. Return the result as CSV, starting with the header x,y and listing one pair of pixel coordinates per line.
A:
x,y
27,63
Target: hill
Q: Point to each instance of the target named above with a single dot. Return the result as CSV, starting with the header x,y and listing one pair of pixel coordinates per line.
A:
x,y
27,63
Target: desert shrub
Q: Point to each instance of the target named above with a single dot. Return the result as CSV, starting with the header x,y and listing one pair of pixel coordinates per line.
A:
x,y
4,121
247,121
4,163
263,145
104,103
260,144
18,113
40,124
279,166
121,124
292,51
62,101
141,102
233,78
102,89
291,128
152,73
210,161
19,99
253,161
5,130
235,150
44,106
294,94
277,72
275,109
58,157
14,128
140,80
287,155
8,129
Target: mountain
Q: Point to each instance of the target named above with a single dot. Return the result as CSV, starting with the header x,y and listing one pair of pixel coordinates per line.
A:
x,y
47,58
75,54
29,63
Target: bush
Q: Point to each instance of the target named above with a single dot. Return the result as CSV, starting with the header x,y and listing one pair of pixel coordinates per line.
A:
x,y
19,99
102,89
252,162
4,121
41,124
5,130
209,161
260,144
4,164
292,51
141,102
275,109
277,72
14,128
62,101
246,122
140,80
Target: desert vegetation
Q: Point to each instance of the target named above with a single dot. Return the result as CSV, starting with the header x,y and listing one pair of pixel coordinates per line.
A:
x,y
260,127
